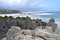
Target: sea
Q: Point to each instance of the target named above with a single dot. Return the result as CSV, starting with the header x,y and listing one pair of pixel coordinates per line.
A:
x,y
45,16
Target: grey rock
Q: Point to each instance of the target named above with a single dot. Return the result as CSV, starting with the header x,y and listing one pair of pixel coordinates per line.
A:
x,y
13,32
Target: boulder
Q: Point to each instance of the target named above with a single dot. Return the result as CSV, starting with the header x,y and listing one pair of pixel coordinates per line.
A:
x,y
13,32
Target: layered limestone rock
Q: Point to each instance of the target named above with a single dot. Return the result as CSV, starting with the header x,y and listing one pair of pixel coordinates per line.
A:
x,y
3,29
47,33
15,33
52,24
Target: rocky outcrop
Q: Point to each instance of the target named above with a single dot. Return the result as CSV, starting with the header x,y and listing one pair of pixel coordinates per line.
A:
x,y
5,25
52,24
15,33
19,30
3,29
47,34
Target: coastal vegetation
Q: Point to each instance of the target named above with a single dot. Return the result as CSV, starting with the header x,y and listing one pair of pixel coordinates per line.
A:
x,y
25,21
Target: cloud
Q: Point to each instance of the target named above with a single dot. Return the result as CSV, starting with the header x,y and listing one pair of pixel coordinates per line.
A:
x,y
10,2
36,3
22,3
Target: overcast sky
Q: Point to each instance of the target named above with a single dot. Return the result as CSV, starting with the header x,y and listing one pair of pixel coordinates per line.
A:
x,y
31,5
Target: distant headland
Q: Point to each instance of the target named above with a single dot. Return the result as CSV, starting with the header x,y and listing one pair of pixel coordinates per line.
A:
x,y
8,11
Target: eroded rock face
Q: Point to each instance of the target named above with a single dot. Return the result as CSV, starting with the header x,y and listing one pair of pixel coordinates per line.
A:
x,y
47,34
3,29
52,24
15,33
